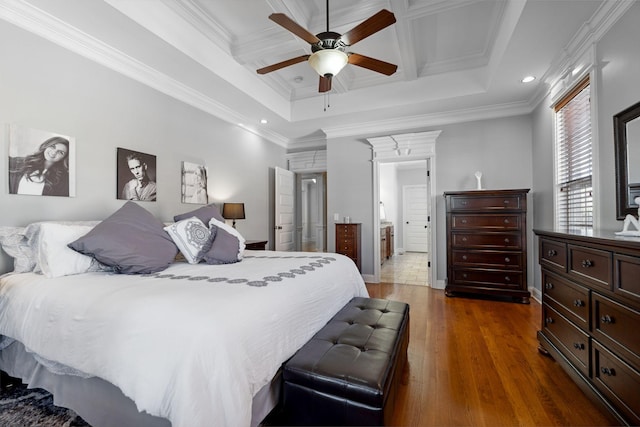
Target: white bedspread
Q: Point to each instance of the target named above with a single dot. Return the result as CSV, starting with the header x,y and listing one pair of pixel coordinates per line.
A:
x,y
193,343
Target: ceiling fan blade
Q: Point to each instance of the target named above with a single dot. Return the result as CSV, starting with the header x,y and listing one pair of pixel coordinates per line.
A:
x,y
324,85
291,25
282,64
372,25
372,64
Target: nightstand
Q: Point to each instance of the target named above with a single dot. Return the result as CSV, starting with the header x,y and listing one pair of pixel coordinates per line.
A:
x,y
256,245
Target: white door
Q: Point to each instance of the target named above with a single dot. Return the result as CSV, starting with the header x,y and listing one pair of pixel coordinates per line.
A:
x,y
284,206
415,218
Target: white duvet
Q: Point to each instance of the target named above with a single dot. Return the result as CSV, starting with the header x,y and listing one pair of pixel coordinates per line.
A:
x,y
193,343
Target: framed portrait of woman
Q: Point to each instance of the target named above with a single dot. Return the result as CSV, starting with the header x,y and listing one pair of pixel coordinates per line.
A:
x,y
41,163
194,183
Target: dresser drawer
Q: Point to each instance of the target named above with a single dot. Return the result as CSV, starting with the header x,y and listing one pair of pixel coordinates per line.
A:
x,y
490,203
592,265
499,259
570,340
568,298
616,326
487,222
626,278
486,240
498,279
618,381
553,254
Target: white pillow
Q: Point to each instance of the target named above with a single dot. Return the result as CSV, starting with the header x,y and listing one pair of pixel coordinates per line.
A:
x,y
54,257
190,236
14,242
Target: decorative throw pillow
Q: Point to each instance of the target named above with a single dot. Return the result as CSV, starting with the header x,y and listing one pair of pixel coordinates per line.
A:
x,y
131,240
204,214
228,245
190,236
15,244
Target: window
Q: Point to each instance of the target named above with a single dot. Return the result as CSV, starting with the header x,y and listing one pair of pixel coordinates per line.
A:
x,y
574,199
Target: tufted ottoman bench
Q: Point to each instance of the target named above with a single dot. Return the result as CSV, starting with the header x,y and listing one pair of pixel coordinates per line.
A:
x,y
347,374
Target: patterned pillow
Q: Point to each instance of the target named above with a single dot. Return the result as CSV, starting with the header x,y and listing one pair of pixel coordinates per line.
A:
x,y
190,236
228,245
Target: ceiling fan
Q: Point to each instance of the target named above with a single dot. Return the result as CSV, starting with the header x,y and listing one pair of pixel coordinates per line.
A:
x,y
328,55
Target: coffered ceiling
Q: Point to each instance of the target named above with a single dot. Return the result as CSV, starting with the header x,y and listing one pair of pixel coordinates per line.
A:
x,y
457,59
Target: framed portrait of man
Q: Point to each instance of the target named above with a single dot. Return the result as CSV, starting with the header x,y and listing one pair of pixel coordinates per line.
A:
x,y
194,183
136,176
41,163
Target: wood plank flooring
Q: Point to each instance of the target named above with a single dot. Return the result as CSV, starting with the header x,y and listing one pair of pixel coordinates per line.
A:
x,y
475,362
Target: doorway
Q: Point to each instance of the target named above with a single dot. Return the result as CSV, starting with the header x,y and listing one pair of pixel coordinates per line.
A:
x,y
404,189
311,218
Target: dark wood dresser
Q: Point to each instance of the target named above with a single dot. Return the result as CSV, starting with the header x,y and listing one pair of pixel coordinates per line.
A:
x,y
591,315
348,242
487,243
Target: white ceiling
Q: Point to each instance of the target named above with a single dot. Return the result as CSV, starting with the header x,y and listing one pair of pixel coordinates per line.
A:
x,y
457,59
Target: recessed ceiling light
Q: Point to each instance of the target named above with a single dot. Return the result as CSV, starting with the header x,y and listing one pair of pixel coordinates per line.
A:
x,y
264,121
528,79
298,79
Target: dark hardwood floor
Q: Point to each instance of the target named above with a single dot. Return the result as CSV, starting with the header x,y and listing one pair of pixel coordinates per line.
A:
x,y
475,362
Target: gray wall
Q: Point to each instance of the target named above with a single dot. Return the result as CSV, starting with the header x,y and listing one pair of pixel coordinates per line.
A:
x,y
616,86
46,87
500,148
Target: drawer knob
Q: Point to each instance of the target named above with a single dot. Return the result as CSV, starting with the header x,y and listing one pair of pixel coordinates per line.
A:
x,y
464,239
506,221
578,346
578,303
548,285
464,221
608,371
507,259
464,275
506,240
552,253
464,257
607,319
463,203
548,320
586,263
507,278
506,202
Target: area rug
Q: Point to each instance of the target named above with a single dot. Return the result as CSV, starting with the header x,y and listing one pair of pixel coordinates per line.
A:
x,y
24,407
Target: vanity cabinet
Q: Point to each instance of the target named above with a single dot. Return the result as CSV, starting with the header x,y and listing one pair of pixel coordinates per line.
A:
x,y
487,243
386,242
348,242
591,315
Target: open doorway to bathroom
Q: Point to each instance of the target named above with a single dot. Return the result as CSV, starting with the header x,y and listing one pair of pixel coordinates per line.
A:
x,y
405,215
311,223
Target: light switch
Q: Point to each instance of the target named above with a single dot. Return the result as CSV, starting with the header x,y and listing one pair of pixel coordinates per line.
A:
x,y
336,217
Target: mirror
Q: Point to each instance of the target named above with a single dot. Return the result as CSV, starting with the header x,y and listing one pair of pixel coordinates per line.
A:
x,y
626,135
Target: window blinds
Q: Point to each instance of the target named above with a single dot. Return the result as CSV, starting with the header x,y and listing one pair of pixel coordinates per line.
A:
x,y
574,203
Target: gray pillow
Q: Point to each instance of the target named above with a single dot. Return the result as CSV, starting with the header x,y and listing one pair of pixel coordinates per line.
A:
x,y
223,248
204,214
131,241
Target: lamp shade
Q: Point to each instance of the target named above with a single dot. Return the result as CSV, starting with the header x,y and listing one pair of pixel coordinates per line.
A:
x,y
328,62
233,211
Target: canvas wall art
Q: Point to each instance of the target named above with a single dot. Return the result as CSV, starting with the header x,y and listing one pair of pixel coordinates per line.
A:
x,y
194,183
136,176
41,163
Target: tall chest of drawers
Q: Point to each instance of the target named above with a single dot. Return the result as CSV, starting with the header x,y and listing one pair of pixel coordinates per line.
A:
x,y
591,315
348,242
487,243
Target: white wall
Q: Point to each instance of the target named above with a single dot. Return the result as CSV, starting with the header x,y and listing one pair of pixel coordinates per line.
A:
x,y
46,87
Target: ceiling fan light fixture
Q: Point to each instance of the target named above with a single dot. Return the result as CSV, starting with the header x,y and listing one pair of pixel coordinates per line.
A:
x,y
328,62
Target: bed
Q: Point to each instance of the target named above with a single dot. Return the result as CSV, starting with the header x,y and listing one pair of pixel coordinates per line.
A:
x,y
192,344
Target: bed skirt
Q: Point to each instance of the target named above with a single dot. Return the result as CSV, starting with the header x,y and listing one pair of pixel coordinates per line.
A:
x,y
101,403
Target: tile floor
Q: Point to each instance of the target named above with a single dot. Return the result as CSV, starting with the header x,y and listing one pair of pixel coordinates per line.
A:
x,y
408,268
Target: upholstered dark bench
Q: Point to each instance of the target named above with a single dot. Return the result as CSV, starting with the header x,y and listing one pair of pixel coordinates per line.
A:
x,y
348,373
